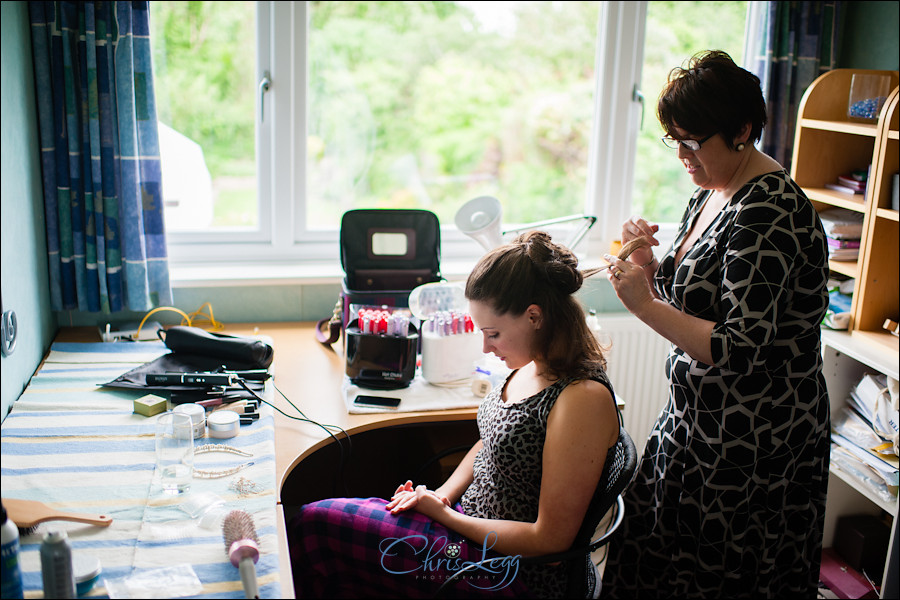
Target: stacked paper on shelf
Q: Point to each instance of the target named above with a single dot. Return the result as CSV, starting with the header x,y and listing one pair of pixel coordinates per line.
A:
x,y
864,437
843,229
878,475
878,396
842,224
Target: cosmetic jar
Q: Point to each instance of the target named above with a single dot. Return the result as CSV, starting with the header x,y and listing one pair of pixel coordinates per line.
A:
x,y
86,569
223,424
198,417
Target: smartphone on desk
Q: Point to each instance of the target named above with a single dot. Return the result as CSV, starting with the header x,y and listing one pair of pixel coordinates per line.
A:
x,y
376,401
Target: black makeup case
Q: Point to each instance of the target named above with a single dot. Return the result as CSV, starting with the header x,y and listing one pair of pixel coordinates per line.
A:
x,y
385,254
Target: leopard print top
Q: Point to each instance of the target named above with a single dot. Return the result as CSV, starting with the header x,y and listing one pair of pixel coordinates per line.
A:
x,y
508,469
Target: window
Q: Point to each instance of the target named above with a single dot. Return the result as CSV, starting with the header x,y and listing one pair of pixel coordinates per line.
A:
x,y
427,105
661,187
206,112
305,110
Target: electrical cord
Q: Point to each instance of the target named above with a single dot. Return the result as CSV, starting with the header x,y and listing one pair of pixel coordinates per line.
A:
x,y
327,428
186,319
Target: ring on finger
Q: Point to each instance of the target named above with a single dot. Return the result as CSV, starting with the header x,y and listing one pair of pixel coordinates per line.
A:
x,y
616,273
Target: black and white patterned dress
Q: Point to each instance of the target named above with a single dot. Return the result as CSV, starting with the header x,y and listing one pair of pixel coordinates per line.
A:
x,y
729,498
508,469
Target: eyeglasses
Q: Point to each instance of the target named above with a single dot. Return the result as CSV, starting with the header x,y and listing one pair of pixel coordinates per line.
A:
x,y
692,145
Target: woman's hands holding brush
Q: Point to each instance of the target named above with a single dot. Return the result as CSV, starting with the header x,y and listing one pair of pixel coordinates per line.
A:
x,y
631,279
637,227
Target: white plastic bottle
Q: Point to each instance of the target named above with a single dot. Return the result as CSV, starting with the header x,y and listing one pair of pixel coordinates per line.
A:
x,y
11,577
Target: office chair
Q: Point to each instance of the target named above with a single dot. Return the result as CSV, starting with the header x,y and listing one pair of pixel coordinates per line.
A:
x,y
619,470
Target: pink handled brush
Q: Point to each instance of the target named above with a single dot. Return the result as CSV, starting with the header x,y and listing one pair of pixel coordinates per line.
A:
x,y
242,547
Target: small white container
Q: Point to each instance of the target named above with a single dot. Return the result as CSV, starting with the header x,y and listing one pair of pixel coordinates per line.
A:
x,y
447,358
198,417
224,424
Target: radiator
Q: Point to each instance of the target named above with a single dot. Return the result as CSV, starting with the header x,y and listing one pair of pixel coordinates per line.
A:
x,y
635,358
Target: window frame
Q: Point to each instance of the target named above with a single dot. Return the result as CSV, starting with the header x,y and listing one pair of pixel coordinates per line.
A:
x,y
282,238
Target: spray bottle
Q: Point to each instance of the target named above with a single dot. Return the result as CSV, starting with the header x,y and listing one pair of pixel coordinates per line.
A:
x,y
56,566
11,577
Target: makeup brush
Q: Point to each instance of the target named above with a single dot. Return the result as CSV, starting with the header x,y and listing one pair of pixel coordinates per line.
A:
x,y
242,547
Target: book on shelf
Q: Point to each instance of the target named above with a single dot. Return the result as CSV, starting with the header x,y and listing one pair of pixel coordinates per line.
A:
x,y
835,243
844,255
850,182
843,252
837,187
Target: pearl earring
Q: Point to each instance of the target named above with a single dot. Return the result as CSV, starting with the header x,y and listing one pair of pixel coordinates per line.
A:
x,y
740,147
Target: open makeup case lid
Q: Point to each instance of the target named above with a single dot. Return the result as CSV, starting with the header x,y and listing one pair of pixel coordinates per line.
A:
x,y
390,249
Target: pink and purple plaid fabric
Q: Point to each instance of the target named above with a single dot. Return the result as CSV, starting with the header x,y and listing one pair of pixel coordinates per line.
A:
x,y
354,548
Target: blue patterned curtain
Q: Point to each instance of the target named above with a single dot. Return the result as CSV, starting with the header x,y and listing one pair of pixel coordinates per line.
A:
x,y
794,43
102,179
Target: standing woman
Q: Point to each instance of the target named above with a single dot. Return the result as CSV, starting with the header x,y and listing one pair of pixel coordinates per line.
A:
x,y
729,497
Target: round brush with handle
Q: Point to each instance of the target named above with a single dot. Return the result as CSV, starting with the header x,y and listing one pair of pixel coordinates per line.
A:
x,y
242,547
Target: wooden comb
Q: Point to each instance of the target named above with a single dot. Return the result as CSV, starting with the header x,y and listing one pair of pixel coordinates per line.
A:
x,y
29,513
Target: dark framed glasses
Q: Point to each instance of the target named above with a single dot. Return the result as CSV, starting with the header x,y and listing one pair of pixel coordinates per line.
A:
x,y
692,145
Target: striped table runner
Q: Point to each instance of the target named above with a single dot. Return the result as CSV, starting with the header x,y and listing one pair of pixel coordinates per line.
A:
x,y
79,447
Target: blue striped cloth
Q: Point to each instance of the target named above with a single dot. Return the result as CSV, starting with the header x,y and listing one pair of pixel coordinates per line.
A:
x,y
79,447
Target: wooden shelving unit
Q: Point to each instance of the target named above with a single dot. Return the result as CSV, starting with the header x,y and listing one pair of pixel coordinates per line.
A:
x,y
828,144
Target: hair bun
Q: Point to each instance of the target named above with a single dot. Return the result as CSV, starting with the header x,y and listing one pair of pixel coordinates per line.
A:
x,y
557,264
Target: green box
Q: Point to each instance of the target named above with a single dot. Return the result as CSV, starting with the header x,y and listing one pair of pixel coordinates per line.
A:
x,y
149,405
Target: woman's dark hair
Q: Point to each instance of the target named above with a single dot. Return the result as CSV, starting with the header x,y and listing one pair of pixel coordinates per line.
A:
x,y
712,95
534,270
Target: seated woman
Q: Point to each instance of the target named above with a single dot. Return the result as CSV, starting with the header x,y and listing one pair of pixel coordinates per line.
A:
x,y
524,487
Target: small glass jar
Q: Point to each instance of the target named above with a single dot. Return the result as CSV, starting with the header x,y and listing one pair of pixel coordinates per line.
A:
x,y
868,93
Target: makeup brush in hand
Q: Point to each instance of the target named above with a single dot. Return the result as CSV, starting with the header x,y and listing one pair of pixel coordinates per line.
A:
x,y
242,547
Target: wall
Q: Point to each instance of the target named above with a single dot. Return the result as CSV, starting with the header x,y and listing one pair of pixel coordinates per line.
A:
x,y
870,36
24,250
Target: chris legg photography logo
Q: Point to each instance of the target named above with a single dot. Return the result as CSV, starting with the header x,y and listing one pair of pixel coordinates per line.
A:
x,y
439,559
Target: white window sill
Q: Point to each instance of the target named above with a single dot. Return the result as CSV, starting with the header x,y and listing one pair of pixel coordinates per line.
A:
x,y
185,274
273,274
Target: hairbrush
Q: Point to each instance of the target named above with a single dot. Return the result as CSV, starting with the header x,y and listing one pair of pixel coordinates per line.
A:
x,y
242,548
28,514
